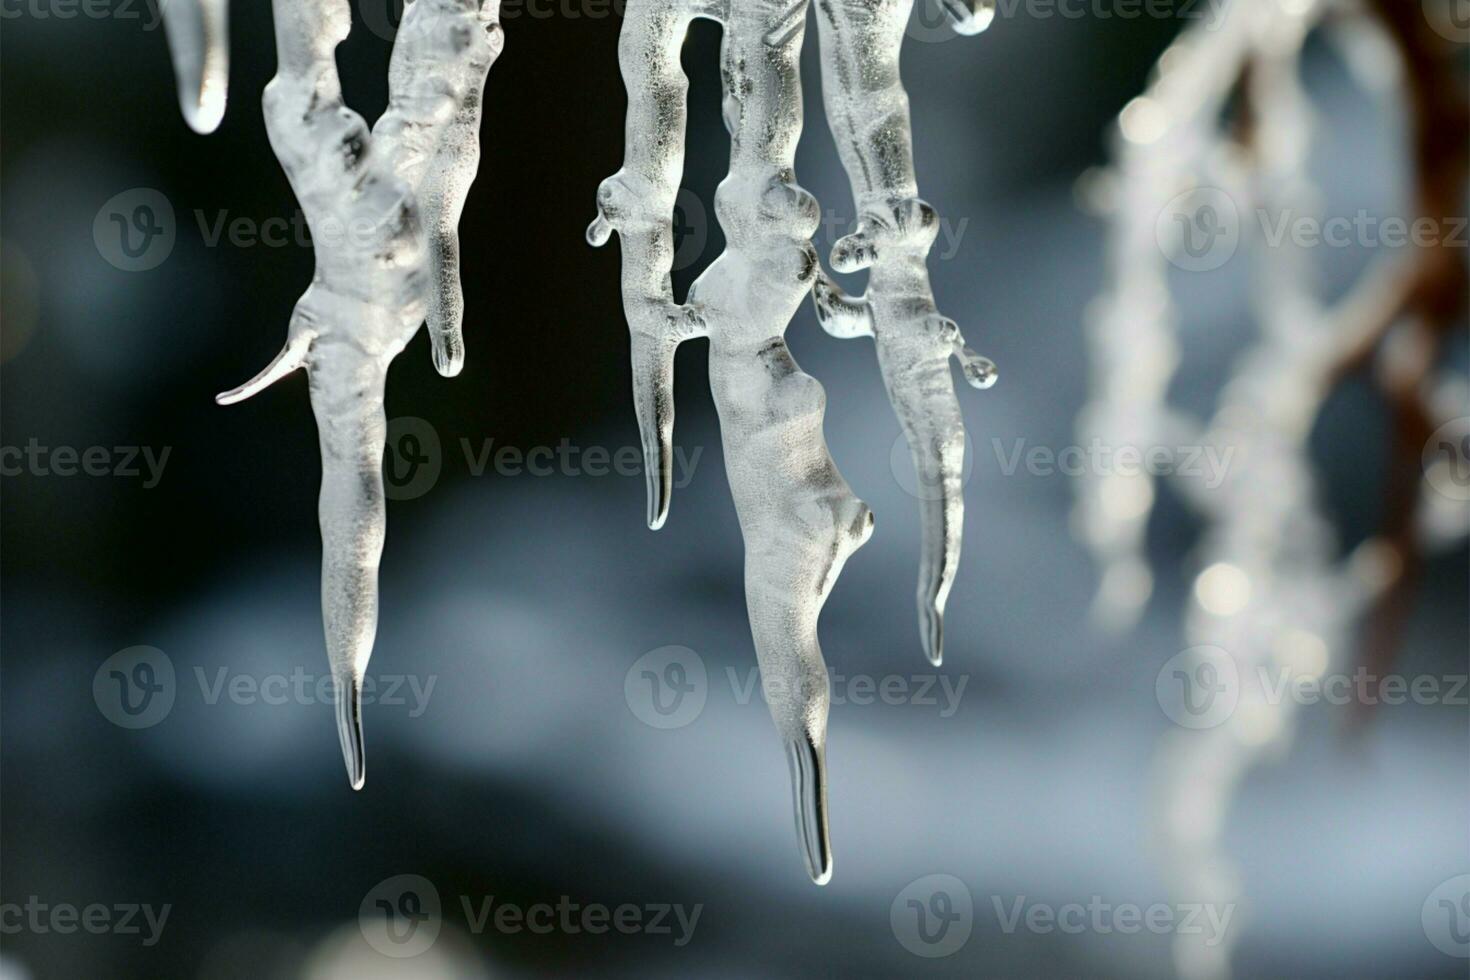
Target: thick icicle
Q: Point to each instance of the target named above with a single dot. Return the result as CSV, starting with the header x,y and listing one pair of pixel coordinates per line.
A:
x,y
799,519
199,44
381,207
868,112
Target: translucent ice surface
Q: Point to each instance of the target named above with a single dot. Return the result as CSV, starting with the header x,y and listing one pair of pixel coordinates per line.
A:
x,y
799,519
199,43
382,206
868,112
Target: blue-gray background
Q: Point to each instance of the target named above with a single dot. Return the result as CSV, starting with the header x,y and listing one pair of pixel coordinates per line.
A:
x,y
526,599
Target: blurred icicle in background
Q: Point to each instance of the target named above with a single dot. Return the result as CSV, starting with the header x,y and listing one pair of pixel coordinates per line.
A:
x,y
1224,133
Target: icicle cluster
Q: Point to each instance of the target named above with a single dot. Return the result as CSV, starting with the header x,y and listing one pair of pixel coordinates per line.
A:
x,y
383,207
799,519
1272,592
868,112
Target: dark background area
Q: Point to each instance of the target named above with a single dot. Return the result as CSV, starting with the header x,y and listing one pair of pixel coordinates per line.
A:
x,y
528,598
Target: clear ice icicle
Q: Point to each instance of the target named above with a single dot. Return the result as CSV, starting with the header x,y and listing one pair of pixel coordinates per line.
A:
x,y
868,112
382,206
799,519
199,45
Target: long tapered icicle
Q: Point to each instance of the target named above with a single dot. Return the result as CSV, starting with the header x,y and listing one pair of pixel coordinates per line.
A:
x,y
382,206
868,112
799,519
199,45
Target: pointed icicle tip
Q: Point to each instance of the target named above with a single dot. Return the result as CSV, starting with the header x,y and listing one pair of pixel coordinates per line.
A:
x,y
291,357
349,729
198,40
658,501
931,632
448,358
809,793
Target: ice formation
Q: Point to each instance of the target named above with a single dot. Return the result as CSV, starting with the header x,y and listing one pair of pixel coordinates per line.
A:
x,y
868,112
382,206
1272,593
799,519
199,44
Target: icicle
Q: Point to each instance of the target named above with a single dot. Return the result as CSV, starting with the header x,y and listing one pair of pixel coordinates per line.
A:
x,y
199,44
799,519
867,110
970,16
1272,594
383,208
